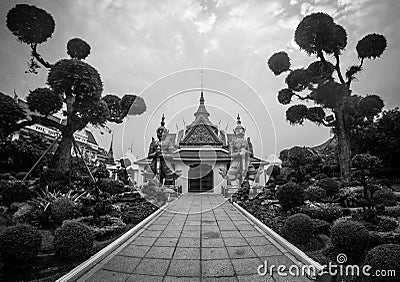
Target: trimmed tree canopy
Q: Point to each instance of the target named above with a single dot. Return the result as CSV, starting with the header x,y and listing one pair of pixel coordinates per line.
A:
x,y
298,80
371,46
75,77
78,48
296,114
44,101
285,96
371,105
318,32
279,63
119,108
30,24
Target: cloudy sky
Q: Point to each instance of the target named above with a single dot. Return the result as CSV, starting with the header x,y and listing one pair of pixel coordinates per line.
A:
x,y
157,48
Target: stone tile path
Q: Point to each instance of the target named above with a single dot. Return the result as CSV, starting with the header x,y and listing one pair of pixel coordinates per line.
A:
x,y
199,238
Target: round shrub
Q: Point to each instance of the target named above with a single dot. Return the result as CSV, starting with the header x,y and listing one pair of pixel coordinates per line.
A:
x,y
14,191
111,186
384,257
298,228
330,185
385,197
19,245
314,194
351,238
73,240
290,195
62,208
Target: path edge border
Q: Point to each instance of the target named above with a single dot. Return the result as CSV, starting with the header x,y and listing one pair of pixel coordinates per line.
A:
x,y
77,272
299,254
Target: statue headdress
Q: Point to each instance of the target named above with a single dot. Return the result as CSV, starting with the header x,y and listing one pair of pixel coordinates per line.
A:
x,y
162,129
239,125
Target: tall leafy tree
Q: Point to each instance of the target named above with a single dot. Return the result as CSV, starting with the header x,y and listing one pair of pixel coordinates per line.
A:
x,y
73,85
381,138
324,83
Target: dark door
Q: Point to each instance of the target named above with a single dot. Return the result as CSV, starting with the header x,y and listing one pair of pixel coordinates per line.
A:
x,y
200,178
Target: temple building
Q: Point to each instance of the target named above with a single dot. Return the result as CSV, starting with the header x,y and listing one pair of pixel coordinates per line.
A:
x,y
200,152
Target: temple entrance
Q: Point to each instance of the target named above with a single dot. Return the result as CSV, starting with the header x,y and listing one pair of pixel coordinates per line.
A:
x,y
200,178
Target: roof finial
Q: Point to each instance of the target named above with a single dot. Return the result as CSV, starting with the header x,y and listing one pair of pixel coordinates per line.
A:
x,y
238,119
162,120
201,94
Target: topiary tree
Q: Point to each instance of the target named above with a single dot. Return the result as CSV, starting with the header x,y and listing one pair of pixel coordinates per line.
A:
x,y
73,241
298,228
318,35
72,83
290,196
384,258
350,238
19,245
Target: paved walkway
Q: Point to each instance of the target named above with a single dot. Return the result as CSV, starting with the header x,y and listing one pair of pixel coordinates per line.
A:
x,y
199,238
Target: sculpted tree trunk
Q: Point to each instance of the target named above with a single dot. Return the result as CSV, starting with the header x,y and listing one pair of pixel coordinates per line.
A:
x,y
343,138
63,153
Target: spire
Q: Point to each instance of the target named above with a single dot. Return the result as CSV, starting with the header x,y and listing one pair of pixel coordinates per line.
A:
x,y
201,111
110,155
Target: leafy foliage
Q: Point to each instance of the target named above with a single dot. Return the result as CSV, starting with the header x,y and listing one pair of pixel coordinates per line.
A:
x,y
279,63
285,96
318,32
371,46
14,191
320,71
62,209
44,101
19,245
314,193
118,108
328,212
22,153
290,195
296,114
316,114
351,238
298,80
71,76
78,48
383,258
329,94
371,105
385,197
31,25
298,228
10,114
111,186
330,185
132,105
73,240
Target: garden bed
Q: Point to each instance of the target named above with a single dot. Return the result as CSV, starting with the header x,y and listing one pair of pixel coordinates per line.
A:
x,y
115,215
